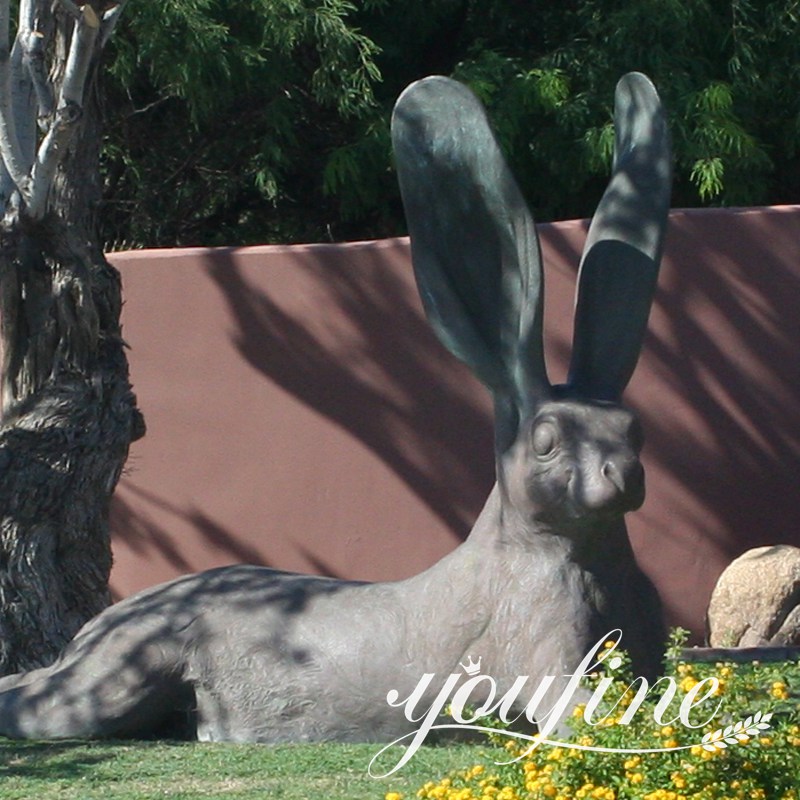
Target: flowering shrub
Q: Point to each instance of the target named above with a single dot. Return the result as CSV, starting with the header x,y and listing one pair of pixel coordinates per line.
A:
x,y
750,749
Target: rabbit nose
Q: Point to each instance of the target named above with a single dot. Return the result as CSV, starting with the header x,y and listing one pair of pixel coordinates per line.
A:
x,y
618,479
612,473
599,491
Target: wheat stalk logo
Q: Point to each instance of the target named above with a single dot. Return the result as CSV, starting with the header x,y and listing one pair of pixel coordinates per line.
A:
x,y
736,734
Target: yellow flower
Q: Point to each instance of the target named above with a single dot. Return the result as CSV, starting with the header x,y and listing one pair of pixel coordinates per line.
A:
x,y
670,743
688,683
393,796
627,698
477,770
678,780
779,691
667,730
636,777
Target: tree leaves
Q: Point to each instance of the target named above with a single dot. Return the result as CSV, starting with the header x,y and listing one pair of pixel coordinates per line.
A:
x,y
707,176
269,117
221,112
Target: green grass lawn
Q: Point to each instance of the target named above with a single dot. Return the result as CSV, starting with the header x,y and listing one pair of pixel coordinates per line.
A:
x,y
180,771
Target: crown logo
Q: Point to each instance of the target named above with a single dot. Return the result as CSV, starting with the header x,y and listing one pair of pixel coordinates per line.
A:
x,y
471,667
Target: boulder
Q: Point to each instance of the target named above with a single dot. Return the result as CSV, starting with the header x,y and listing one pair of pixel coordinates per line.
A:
x,y
756,601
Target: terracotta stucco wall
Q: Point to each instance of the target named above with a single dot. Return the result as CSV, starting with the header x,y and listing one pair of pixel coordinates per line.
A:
x,y
301,415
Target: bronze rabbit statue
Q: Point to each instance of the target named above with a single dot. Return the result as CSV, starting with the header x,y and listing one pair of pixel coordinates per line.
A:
x,y
245,653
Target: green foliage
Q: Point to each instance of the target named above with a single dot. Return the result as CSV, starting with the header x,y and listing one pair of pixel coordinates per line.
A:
x,y
707,176
727,71
219,112
268,119
734,755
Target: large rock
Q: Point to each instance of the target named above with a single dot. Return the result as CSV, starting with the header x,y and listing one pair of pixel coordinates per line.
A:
x,y
756,600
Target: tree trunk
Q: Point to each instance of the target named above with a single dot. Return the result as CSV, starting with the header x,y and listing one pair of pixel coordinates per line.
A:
x,y
68,412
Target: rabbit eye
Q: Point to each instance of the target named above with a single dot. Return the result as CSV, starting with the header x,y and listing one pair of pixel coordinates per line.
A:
x,y
545,439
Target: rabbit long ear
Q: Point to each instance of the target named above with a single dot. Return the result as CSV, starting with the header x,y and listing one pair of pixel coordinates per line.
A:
x,y
619,268
473,242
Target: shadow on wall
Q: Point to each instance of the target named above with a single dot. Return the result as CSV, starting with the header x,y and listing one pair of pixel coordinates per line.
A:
x,y
719,394
303,415
141,532
331,339
387,381
727,340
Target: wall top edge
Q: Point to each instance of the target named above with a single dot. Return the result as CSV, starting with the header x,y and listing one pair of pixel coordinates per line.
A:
x,y
401,242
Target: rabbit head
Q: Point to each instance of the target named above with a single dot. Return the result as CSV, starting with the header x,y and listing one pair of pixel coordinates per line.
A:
x,y
567,455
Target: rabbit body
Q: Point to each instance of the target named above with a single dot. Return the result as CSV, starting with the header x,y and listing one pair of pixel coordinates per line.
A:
x,y
247,653
252,654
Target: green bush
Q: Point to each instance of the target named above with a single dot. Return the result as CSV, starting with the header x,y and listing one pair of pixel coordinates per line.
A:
x,y
749,749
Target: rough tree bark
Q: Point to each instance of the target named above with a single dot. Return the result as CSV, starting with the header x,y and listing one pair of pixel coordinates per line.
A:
x,y
68,413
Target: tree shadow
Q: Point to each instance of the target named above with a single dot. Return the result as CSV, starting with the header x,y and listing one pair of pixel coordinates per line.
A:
x,y
716,387
144,536
125,674
375,370
728,344
52,761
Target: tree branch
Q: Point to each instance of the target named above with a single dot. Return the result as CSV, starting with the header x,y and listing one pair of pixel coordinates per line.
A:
x,y
6,183
110,20
9,143
70,107
80,56
32,39
23,99
70,8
